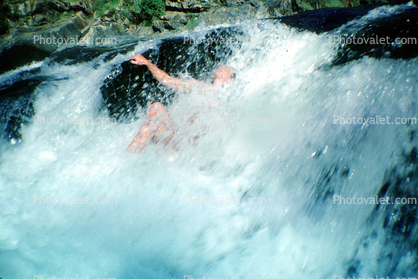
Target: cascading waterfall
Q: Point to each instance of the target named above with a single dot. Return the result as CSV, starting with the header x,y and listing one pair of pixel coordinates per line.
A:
x,y
278,135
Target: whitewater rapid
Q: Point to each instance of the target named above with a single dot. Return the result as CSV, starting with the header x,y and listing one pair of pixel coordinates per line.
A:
x,y
285,155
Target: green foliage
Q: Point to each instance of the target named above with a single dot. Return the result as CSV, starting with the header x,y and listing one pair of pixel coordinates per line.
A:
x,y
101,6
136,10
304,6
57,18
125,14
145,10
331,3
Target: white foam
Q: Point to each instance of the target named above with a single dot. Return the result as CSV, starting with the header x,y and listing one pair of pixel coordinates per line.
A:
x,y
151,232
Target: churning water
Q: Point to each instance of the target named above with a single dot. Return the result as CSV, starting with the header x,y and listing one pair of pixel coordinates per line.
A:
x,y
259,193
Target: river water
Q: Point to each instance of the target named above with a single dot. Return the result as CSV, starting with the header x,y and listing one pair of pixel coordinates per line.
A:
x,y
266,191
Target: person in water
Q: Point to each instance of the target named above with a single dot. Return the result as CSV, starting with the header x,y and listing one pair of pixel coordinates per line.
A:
x,y
159,127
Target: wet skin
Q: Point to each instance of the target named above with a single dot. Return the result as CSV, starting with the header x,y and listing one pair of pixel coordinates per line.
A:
x,y
159,127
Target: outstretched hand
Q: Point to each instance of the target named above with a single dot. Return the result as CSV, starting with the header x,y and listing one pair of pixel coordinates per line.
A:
x,y
163,77
139,60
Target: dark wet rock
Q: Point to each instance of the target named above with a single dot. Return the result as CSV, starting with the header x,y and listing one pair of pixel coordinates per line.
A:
x,y
17,95
19,49
394,37
16,105
81,54
129,88
396,218
326,19
392,224
20,54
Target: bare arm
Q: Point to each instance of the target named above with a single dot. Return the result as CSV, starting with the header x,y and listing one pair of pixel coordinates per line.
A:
x,y
164,78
